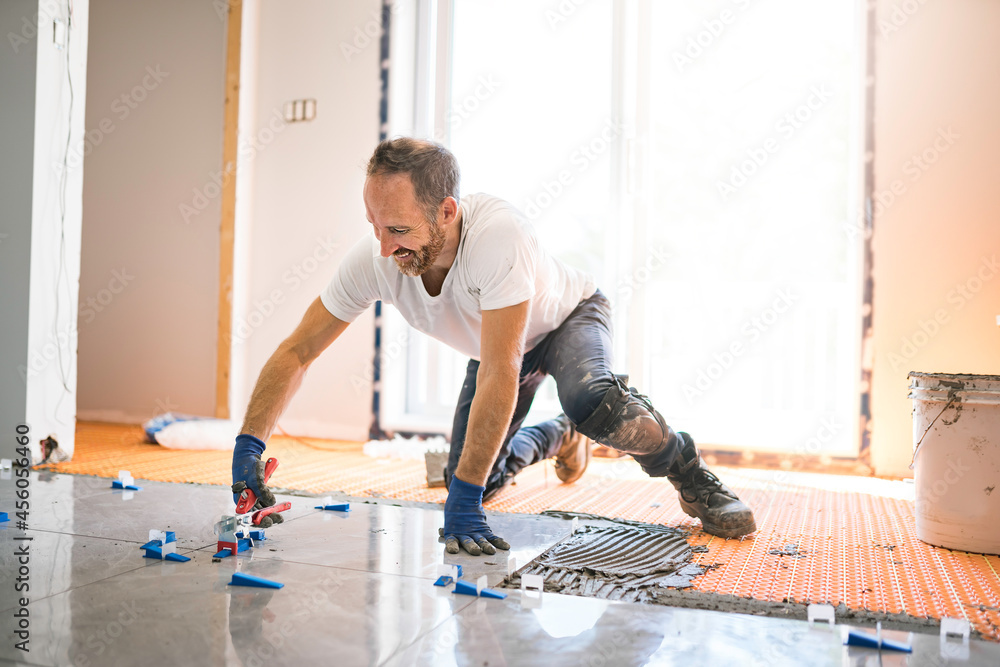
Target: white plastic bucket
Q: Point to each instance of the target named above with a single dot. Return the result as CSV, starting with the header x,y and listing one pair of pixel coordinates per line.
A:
x,y
956,460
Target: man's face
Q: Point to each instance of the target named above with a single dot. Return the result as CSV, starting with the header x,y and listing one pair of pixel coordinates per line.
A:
x,y
400,224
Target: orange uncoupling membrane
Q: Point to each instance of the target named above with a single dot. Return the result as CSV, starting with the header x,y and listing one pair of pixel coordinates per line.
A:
x,y
820,538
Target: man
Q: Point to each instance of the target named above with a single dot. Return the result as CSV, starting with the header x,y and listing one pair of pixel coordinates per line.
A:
x,y
470,273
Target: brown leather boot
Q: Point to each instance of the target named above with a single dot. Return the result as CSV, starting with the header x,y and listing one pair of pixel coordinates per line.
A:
x,y
573,455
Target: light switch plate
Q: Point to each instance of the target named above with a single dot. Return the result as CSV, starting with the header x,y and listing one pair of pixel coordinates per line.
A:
x,y
59,33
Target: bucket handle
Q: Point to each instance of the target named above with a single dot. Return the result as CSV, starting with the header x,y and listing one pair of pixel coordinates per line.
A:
x,y
916,449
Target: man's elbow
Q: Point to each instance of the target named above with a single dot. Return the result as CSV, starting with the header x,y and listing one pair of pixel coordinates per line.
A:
x,y
296,354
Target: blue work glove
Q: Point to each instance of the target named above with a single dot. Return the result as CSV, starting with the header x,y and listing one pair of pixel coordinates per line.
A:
x,y
248,472
465,521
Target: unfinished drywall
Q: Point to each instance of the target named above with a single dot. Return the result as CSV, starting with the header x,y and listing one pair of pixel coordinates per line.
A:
x,y
149,280
936,244
41,124
299,205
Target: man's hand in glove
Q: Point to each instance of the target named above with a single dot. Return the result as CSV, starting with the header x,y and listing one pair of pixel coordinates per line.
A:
x,y
248,473
465,521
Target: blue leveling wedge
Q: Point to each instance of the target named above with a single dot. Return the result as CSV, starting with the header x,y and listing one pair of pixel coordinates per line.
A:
x,y
465,588
240,579
340,507
490,593
855,638
156,553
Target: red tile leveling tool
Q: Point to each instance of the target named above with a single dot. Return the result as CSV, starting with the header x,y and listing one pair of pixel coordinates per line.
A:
x,y
248,498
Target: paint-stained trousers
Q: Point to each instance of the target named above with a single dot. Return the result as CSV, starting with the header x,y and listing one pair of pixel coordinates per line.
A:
x,y
578,356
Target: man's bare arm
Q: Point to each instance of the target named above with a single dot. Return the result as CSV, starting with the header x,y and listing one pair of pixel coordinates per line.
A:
x,y
282,374
502,351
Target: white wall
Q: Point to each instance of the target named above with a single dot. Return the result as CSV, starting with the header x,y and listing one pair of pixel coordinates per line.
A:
x,y
937,70
40,230
300,207
149,282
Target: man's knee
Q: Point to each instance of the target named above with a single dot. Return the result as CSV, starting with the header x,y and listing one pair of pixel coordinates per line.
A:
x,y
580,402
626,421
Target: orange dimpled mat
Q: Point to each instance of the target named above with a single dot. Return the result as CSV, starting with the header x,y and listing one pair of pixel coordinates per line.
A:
x,y
821,538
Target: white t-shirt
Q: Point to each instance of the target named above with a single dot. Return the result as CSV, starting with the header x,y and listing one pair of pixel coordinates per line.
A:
x,y
499,264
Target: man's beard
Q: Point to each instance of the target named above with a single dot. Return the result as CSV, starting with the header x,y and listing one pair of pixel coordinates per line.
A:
x,y
423,257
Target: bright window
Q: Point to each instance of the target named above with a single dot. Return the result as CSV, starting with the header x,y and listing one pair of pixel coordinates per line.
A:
x,y
752,323
700,159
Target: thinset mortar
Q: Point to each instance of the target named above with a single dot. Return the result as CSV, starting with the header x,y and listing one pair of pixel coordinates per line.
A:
x,y
616,563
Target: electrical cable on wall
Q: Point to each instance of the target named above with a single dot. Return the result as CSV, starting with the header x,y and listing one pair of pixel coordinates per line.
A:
x,y
62,275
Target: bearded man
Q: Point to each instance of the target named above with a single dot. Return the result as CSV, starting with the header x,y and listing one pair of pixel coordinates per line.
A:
x,y
470,272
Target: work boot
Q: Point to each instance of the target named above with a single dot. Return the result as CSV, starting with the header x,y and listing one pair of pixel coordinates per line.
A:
x,y
703,496
573,455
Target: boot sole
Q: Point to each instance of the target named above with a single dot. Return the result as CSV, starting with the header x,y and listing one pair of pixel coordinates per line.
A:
x,y
721,531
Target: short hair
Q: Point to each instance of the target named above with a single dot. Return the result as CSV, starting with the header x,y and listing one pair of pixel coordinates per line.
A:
x,y
432,168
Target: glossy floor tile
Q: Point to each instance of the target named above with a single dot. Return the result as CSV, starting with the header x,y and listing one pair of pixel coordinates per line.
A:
x,y
187,614
358,591
403,540
48,489
583,631
60,562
